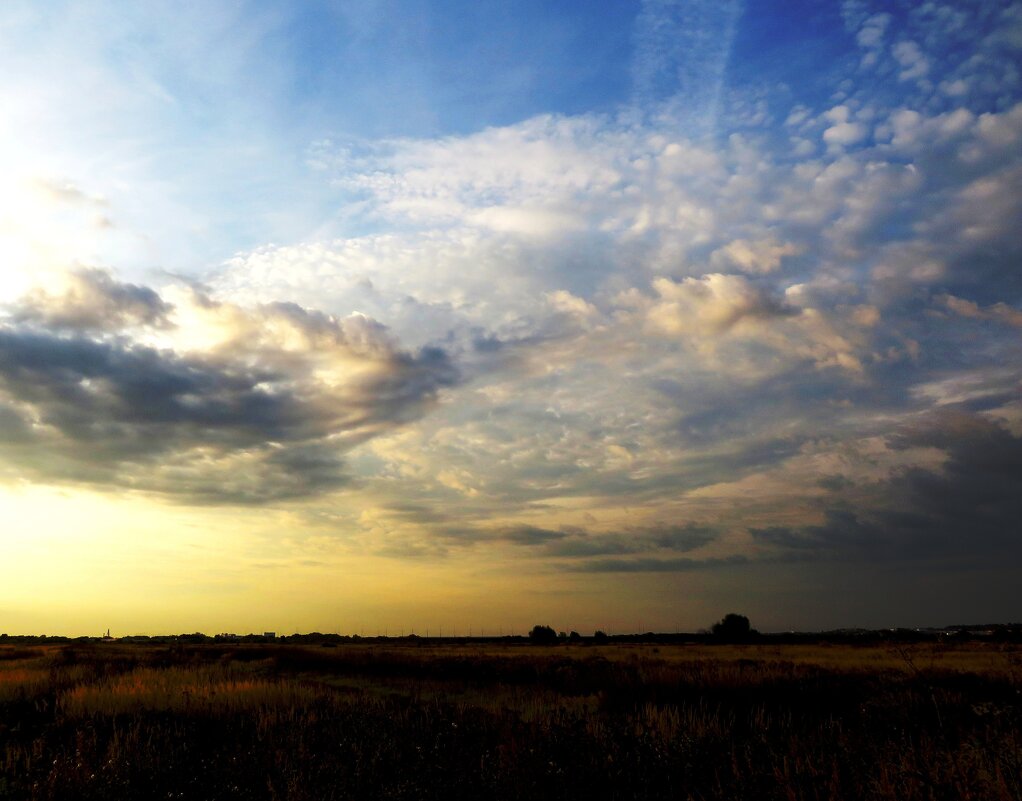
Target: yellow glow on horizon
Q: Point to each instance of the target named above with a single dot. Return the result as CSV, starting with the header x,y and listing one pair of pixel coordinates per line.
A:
x,y
76,562
81,561
134,562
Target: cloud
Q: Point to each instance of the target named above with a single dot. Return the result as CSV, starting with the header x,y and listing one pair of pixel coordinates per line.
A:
x,y
913,63
713,304
531,535
727,316
66,192
843,131
225,404
757,257
1000,312
963,511
681,55
871,34
677,538
649,207
985,388
92,300
574,548
633,316
687,327
652,565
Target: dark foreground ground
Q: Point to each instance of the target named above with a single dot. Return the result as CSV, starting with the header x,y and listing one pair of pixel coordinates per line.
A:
x,y
472,721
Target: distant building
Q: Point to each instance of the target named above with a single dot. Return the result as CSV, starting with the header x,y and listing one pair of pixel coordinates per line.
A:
x,y
270,635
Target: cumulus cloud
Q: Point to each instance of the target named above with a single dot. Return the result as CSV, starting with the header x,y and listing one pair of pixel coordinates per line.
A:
x,y
728,318
222,404
92,300
913,63
713,304
842,131
756,257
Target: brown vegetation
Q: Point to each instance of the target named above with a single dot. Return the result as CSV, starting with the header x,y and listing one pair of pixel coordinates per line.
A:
x,y
420,720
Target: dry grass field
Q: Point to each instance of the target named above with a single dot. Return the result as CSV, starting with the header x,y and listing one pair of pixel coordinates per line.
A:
x,y
511,721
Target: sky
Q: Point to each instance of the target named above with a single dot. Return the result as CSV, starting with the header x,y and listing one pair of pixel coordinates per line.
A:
x,y
394,316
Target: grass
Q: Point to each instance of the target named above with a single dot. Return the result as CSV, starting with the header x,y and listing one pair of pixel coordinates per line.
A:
x,y
368,721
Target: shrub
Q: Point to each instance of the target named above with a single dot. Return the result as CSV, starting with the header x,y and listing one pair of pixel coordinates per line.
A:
x,y
543,635
732,627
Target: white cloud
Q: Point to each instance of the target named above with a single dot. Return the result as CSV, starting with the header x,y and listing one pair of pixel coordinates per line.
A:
x,y
711,305
754,256
871,34
716,310
845,133
913,63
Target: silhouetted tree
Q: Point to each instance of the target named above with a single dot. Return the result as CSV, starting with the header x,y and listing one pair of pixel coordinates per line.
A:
x,y
600,636
732,627
543,635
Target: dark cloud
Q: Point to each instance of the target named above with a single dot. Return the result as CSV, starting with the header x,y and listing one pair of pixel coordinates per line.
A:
x,y
682,538
597,545
566,546
573,542
531,535
93,301
123,397
13,428
966,511
652,565
418,513
249,422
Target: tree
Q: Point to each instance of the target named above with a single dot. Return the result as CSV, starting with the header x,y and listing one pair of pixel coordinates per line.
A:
x,y
543,635
732,627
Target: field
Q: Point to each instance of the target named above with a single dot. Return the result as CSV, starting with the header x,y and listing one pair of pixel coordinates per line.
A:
x,y
511,721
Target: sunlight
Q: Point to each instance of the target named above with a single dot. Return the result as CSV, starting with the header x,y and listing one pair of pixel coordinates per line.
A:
x,y
45,228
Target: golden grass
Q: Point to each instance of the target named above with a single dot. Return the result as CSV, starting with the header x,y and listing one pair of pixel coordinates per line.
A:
x,y
20,683
182,690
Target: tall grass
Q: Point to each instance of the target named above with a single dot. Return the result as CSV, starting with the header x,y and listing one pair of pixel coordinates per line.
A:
x,y
202,690
274,722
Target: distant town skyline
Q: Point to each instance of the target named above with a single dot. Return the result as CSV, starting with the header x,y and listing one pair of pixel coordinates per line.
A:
x,y
398,314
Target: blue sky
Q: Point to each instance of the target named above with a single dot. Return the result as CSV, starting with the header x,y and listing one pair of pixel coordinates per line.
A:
x,y
595,313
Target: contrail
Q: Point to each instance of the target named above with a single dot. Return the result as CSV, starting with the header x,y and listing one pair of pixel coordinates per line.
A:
x,y
682,49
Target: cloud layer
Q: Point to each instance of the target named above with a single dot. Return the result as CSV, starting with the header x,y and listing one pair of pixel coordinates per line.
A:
x,y
108,383
742,317
663,322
